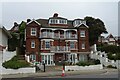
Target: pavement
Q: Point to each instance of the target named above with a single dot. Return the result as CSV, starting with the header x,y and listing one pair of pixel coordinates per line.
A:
x,y
59,73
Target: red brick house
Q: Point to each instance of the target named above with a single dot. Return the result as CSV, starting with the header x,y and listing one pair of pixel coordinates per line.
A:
x,y
56,39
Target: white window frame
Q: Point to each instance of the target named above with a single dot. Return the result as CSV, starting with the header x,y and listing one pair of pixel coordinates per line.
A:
x,y
83,45
72,44
82,33
32,44
45,44
33,31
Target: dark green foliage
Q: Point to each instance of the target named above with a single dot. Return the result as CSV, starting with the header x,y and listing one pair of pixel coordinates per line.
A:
x,y
113,51
14,63
81,63
96,28
13,42
110,66
87,63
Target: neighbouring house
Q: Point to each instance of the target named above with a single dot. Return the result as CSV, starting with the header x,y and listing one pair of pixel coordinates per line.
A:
x,y
15,28
4,35
110,40
56,39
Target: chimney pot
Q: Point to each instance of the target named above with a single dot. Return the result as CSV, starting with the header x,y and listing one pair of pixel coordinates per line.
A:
x,y
55,15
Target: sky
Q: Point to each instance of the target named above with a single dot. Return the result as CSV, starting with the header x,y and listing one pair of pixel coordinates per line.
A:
x,y
19,11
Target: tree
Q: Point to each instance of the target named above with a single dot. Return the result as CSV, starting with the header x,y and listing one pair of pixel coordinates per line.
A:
x,y
22,37
96,28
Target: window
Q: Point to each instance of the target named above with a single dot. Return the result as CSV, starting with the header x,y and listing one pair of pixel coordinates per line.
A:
x,y
33,31
82,33
32,44
47,44
83,45
32,57
72,45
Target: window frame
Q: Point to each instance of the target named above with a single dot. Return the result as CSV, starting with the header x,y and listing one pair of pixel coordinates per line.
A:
x,y
33,31
83,46
72,46
82,33
46,44
32,44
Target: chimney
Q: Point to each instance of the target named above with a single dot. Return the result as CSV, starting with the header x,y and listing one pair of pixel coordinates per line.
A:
x,y
28,20
55,15
15,24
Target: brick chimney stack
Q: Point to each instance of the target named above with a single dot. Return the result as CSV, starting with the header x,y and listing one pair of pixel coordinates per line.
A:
x,y
55,15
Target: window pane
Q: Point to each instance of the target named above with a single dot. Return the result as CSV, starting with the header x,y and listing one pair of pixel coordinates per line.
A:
x,y
32,44
72,45
83,45
33,31
47,44
82,33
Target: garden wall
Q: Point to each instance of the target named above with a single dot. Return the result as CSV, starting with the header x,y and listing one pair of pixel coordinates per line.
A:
x,y
17,71
90,67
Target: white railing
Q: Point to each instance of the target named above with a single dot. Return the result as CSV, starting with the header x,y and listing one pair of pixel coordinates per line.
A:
x,y
102,56
60,48
57,35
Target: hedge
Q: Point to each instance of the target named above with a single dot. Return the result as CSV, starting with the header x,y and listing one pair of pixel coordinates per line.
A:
x,y
14,63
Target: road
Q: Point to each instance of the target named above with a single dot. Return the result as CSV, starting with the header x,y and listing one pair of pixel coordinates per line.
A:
x,y
107,76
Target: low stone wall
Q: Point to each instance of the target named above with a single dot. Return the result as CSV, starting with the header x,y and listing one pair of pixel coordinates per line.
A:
x,y
91,67
18,71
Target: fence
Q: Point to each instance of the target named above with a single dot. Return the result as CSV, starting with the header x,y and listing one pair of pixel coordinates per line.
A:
x,y
102,56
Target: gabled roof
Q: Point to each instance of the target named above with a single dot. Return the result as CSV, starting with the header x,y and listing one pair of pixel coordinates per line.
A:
x,y
33,20
82,25
110,36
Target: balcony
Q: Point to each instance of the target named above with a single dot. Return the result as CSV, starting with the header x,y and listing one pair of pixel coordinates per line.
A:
x,y
58,36
46,35
60,49
71,36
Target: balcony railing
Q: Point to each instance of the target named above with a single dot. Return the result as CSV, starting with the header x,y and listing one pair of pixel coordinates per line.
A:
x,y
71,36
60,49
61,36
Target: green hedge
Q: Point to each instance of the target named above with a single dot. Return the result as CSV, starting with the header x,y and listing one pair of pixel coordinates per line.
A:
x,y
14,63
110,50
87,63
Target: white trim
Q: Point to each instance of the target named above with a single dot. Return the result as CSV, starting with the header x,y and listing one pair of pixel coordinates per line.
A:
x,y
71,40
33,31
81,24
58,29
34,21
83,46
47,53
32,43
47,40
83,32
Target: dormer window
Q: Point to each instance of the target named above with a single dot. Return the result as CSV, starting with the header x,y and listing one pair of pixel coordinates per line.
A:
x,y
57,21
79,22
53,21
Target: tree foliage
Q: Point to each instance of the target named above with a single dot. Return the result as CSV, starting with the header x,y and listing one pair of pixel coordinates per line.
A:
x,y
96,28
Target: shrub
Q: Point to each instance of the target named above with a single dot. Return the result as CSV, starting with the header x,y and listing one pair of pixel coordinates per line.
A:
x,y
14,63
110,66
97,62
82,63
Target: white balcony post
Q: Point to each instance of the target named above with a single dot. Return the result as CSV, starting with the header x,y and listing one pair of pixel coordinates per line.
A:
x,y
76,60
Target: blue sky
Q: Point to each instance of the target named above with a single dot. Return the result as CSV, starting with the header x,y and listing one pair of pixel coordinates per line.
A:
x,y
19,11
